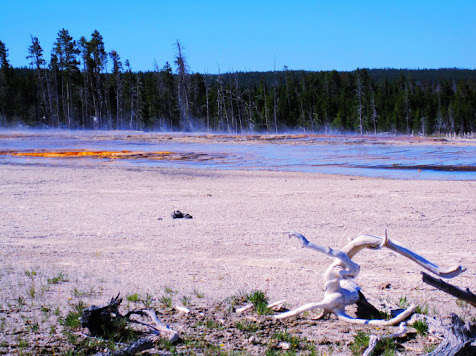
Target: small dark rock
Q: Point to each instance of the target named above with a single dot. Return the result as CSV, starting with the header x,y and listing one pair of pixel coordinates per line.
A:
x,y
177,214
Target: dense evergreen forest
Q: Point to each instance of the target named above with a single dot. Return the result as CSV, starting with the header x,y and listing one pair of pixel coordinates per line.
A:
x,y
84,87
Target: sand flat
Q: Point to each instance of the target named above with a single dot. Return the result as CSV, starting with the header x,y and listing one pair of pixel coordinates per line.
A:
x,y
114,225
110,230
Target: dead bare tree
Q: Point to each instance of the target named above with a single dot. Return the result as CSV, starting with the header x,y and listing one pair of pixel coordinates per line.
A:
x,y
182,86
359,92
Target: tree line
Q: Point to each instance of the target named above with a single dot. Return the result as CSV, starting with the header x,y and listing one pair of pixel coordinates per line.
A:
x,y
83,86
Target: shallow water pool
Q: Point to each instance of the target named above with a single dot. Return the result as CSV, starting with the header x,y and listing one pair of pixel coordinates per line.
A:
x,y
332,155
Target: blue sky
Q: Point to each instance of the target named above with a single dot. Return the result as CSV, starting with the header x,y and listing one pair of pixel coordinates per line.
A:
x,y
255,35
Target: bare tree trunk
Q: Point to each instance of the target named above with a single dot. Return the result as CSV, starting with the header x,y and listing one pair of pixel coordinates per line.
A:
x,y
265,108
207,96
275,99
360,106
407,108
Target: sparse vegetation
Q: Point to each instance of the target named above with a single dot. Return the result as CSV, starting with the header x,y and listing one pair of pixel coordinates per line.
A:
x,y
72,319
169,290
211,330
403,302
185,300
166,300
247,325
147,301
31,289
198,294
422,309
260,302
60,278
133,298
421,327
360,343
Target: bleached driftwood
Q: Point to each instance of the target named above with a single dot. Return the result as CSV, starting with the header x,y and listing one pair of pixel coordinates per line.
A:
x,y
172,335
182,309
460,339
465,295
340,288
104,319
375,339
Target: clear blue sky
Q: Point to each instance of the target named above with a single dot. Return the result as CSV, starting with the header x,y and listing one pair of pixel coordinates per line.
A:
x,y
255,35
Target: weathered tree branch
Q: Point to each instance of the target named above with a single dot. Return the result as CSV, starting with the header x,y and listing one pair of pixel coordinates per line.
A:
x,y
340,288
459,340
465,295
132,349
375,339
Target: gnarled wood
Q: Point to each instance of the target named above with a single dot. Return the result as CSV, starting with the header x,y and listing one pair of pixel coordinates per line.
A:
x,y
340,288
460,339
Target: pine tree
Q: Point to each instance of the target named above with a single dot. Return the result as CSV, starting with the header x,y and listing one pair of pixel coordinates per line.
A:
x,y
5,75
66,51
37,62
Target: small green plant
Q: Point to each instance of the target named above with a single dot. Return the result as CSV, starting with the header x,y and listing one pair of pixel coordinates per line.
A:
x,y
429,349
77,293
247,325
58,279
30,273
185,300
31,290
386,347
20,301
169,290
72,319
360,343
133,297
166,300
212,324
22,344
422,309
403,302
260,302
462,304
45,310
34,327
294,342
147,301
421,327
198,294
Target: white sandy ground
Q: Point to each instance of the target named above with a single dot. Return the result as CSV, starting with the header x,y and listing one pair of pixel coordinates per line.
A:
x,y
110,230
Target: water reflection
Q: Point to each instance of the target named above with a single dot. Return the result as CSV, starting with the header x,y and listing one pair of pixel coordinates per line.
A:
x,y
371,157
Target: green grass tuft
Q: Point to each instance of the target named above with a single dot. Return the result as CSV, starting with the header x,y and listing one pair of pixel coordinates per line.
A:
x,y
133,297
421,327
260,301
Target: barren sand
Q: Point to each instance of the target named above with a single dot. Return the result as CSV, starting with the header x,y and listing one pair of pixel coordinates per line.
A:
x,y
110,230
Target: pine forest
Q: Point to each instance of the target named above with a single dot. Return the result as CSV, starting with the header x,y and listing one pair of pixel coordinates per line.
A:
x,y
83,86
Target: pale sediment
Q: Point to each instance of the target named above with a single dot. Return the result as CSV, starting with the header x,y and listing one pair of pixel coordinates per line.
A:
x,y
110,230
